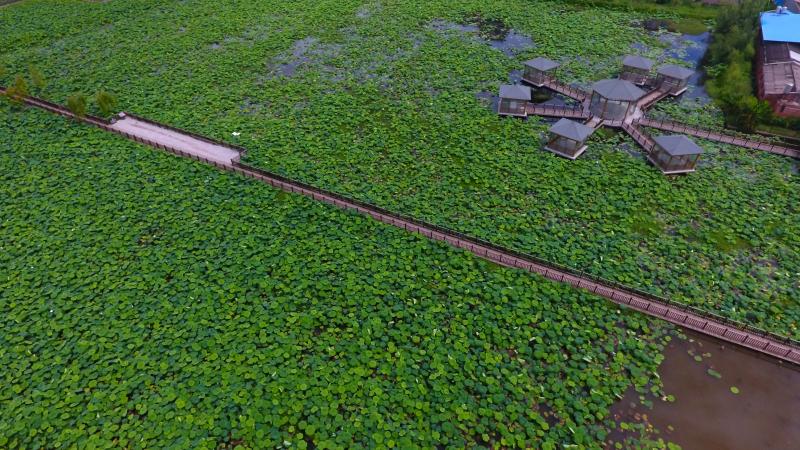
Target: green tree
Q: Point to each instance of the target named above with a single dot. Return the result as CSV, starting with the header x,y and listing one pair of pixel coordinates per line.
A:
x,y
77,105
106,102
730,65
732,88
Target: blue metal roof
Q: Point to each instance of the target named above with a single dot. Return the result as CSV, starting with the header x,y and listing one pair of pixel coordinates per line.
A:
x,y
780,27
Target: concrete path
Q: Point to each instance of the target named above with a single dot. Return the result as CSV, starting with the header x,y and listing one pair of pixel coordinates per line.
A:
x,y
148,131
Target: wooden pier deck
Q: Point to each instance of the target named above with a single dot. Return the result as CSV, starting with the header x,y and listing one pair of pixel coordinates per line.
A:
x,y
640,136
651,98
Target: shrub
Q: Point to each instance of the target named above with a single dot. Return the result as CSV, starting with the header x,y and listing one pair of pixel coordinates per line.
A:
x,y
106,102
77,104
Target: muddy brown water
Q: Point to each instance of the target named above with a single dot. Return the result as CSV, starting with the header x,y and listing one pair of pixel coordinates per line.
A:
x,y
702,373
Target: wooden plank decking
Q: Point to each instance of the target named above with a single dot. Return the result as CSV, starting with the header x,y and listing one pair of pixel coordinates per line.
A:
x,y
557,111
564,89
651,98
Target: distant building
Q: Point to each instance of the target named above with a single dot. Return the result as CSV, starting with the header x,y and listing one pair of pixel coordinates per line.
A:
x,y
778,60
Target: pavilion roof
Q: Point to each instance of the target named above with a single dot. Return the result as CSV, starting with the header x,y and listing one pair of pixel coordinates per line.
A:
x,y
678,145
637,62
678,72
515,92
571,130
542,64
614,89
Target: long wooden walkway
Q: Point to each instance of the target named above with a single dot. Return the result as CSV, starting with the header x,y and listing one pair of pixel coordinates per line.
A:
x,y
719,137
719,327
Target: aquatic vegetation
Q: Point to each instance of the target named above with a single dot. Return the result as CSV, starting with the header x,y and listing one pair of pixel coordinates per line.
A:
x,y
380,104
148,302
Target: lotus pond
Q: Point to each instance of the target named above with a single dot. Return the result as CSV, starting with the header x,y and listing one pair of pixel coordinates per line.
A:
x,y
379,100
151,302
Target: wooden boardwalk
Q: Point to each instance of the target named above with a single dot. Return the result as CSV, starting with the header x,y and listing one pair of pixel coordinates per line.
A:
x,y
564,89
720,137
662,308
637,117
557,111
640,136
651,98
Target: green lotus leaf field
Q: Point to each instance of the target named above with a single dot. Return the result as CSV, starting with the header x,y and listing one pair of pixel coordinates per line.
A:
x,y
379,101
152,302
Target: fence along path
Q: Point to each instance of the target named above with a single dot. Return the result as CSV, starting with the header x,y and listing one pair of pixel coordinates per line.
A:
x,y
556,111
719,137
555,85
638,135
704,322
145,129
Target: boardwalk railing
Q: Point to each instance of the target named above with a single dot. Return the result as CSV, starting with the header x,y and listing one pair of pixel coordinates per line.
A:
x,y
720,137
105,123
556,111
709,323
638,135
572,92
675,312
238,148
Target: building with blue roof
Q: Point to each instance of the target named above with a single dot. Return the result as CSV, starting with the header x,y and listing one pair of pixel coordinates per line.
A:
x,y
780,27
778,60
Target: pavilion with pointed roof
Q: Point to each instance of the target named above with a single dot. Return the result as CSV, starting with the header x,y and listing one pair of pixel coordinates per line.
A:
x,y
636,69
673,79
612,99
674,154
514,100
537,70
568,138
